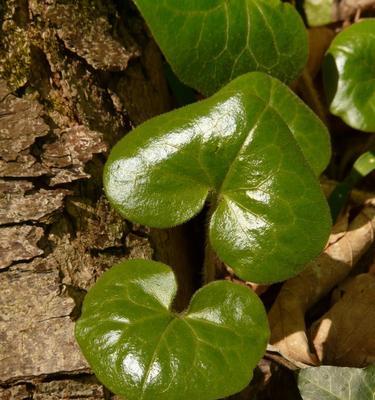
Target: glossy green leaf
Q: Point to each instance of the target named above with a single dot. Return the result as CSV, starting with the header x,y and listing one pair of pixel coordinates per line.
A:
x,y
349,75
210,42
337,383
241,148
142,350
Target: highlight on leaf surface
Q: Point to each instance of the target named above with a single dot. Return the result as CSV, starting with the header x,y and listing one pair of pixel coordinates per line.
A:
x,y
254,149
210,42
337,383
349,75
140,349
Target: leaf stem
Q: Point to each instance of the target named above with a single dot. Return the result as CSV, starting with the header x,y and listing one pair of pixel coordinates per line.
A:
x,y
212,264
308,92
363,166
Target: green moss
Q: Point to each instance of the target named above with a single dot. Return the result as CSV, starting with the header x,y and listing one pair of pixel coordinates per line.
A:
x,y
15,57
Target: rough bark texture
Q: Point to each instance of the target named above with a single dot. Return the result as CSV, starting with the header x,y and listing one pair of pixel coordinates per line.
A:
x,y
74,77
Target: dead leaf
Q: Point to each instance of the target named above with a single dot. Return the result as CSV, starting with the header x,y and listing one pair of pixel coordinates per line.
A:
x,y
286,317
344,336
339,229
357,197
346,9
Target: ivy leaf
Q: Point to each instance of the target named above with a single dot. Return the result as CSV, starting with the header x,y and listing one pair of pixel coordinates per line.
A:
x,y
210,42
319,12
142,350
241,149
349,75
337,383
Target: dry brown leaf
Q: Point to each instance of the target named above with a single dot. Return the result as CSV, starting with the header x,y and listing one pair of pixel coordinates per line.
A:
x,y
346,9
286,317
339,229
357,197
345,335
258,288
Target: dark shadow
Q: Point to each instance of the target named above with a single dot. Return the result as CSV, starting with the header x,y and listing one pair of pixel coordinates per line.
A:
x,y
330,77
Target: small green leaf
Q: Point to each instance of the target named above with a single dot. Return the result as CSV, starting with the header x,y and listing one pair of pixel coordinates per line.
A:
x,y
337,383
210,42
142,350
242,148
319,12
349,75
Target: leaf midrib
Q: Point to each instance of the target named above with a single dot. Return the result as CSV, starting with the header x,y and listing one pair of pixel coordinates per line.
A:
x,y
242,144
185,319
155,353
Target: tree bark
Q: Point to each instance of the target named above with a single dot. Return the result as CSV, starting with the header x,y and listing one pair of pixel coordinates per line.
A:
x,y
75,76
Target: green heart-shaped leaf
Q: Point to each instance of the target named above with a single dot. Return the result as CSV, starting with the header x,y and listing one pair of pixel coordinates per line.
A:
x,y
141,350
242,148
349,75
210,42
337,383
